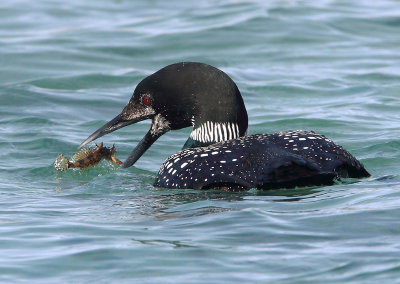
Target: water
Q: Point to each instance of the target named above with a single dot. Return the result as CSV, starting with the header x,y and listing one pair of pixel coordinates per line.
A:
x,y
67,68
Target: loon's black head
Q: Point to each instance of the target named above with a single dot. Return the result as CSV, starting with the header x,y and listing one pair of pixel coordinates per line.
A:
x,y
181,95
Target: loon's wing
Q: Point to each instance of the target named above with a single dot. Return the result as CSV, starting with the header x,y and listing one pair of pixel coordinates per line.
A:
x,y
292,171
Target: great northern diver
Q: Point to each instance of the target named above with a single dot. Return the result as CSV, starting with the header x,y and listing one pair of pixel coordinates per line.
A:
x,y
218,152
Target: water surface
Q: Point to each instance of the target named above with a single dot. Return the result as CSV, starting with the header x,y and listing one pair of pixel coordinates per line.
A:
x,y
68,67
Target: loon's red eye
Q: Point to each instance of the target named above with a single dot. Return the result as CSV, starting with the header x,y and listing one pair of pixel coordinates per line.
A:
x,y
146,100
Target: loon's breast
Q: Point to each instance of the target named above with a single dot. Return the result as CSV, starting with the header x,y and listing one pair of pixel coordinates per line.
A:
x,y
265,161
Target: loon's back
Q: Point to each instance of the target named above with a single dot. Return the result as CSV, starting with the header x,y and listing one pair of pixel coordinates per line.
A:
x,y
265,161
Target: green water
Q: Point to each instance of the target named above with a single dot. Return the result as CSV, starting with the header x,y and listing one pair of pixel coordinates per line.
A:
x,y
67,68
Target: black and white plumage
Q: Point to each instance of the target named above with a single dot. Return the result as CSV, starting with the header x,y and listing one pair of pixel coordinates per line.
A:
x,y
266,161
218,153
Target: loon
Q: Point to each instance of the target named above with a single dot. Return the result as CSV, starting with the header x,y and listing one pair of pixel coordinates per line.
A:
x,y
218,153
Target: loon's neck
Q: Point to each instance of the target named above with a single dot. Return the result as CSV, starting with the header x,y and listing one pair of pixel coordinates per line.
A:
x,y
190,143
210,132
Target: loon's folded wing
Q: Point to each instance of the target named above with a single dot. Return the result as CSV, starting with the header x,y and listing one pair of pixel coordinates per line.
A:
x,y
293,170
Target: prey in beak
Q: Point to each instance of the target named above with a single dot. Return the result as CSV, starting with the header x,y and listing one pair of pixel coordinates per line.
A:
x,y
139,108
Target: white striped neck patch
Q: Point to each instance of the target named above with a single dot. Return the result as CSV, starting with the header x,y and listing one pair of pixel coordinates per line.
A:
x,y
215,132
